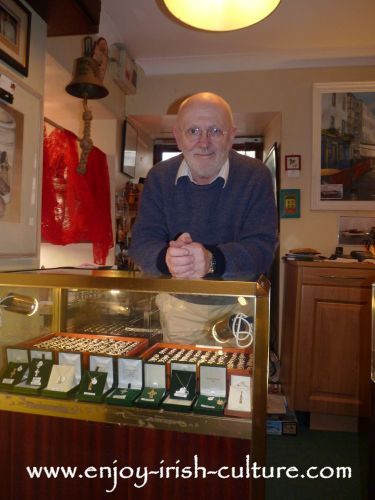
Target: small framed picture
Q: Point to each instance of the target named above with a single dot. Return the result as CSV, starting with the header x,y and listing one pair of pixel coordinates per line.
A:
x,y
290,204
293,162
15,25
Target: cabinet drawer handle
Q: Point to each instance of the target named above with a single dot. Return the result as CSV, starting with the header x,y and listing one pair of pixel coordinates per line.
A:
x,y
334,277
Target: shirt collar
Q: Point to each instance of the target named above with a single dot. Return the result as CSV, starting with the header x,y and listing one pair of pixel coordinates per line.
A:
x,y
184,170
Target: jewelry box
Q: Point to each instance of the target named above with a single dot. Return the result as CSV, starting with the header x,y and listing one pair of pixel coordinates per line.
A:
x,y
38,375
98,380
17,355
212,391
155,385
240,397
183,387
129,382
65,376
16,369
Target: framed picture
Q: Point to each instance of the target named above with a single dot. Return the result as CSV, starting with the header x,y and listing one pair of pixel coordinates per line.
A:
x,y
343,157
129,149
293,162
290,204
15,25
355,231
20,156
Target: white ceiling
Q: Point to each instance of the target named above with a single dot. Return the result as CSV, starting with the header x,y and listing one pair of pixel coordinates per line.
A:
x,y
299,33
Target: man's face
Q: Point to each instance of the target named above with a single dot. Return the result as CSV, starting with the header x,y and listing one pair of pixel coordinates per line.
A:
x,y
198,136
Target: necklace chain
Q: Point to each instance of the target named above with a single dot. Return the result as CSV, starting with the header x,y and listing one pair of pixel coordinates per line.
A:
x,y
182,384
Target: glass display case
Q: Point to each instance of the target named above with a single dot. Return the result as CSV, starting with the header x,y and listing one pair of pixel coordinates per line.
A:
x,y
89,345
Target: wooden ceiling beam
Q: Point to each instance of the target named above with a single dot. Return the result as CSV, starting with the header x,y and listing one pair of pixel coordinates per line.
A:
x,y
69,17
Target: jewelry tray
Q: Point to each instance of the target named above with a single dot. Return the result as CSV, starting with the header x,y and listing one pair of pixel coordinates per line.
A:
x,y
90,344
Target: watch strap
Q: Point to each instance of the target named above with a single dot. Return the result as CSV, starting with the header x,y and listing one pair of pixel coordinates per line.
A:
x,y
212,268
217,262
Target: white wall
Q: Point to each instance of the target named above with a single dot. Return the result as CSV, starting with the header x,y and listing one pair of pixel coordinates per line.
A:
x,y
29,92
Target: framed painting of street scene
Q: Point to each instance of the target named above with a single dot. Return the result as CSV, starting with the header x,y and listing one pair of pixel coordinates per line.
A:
x,y
343,169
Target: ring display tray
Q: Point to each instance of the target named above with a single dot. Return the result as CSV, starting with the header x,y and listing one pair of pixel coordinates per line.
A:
x,y
88,344
237,361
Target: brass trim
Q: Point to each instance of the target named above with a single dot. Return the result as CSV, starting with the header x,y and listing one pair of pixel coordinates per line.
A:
x,y
260,390
238,428
56,310
133,282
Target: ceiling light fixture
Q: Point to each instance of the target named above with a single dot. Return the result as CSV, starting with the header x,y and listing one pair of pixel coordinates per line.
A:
x,y
221,15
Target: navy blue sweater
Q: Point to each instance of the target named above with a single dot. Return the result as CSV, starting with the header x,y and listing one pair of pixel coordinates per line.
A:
x,y
238,221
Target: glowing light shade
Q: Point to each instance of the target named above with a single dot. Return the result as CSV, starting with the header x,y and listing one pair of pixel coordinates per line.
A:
x,y
221,15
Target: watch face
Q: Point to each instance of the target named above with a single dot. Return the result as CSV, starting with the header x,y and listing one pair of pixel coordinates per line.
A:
x,y
100,54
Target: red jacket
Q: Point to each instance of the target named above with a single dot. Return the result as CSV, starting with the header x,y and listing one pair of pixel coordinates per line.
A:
x,y
75,208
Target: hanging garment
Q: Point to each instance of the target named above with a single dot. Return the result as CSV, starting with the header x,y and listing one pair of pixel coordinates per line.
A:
x,y
75,208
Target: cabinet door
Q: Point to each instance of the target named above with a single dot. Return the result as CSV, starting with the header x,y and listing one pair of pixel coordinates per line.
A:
x,y
333,365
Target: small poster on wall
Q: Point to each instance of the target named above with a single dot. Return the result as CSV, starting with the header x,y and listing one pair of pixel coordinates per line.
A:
x,y
290,204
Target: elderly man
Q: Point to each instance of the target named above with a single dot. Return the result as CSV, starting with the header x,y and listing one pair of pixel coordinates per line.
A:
x,y
209,211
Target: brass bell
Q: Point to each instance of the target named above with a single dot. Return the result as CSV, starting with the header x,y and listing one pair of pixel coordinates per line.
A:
x,y
86,83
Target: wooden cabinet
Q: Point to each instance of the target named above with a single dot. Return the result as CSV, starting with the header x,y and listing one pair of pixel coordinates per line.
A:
x,y
325,350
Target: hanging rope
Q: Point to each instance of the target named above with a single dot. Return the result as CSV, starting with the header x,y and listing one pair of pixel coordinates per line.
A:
x,y
85,143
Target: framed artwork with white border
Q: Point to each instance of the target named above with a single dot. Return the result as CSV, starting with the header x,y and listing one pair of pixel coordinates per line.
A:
x,y
20,154
343,146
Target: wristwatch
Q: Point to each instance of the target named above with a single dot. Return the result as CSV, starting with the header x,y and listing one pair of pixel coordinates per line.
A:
x,y
212,268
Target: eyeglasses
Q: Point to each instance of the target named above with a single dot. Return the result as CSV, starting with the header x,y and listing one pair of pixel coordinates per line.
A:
x,y
195,133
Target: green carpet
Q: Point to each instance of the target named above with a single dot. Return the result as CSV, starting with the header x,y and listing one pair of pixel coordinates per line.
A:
x,y
319,449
